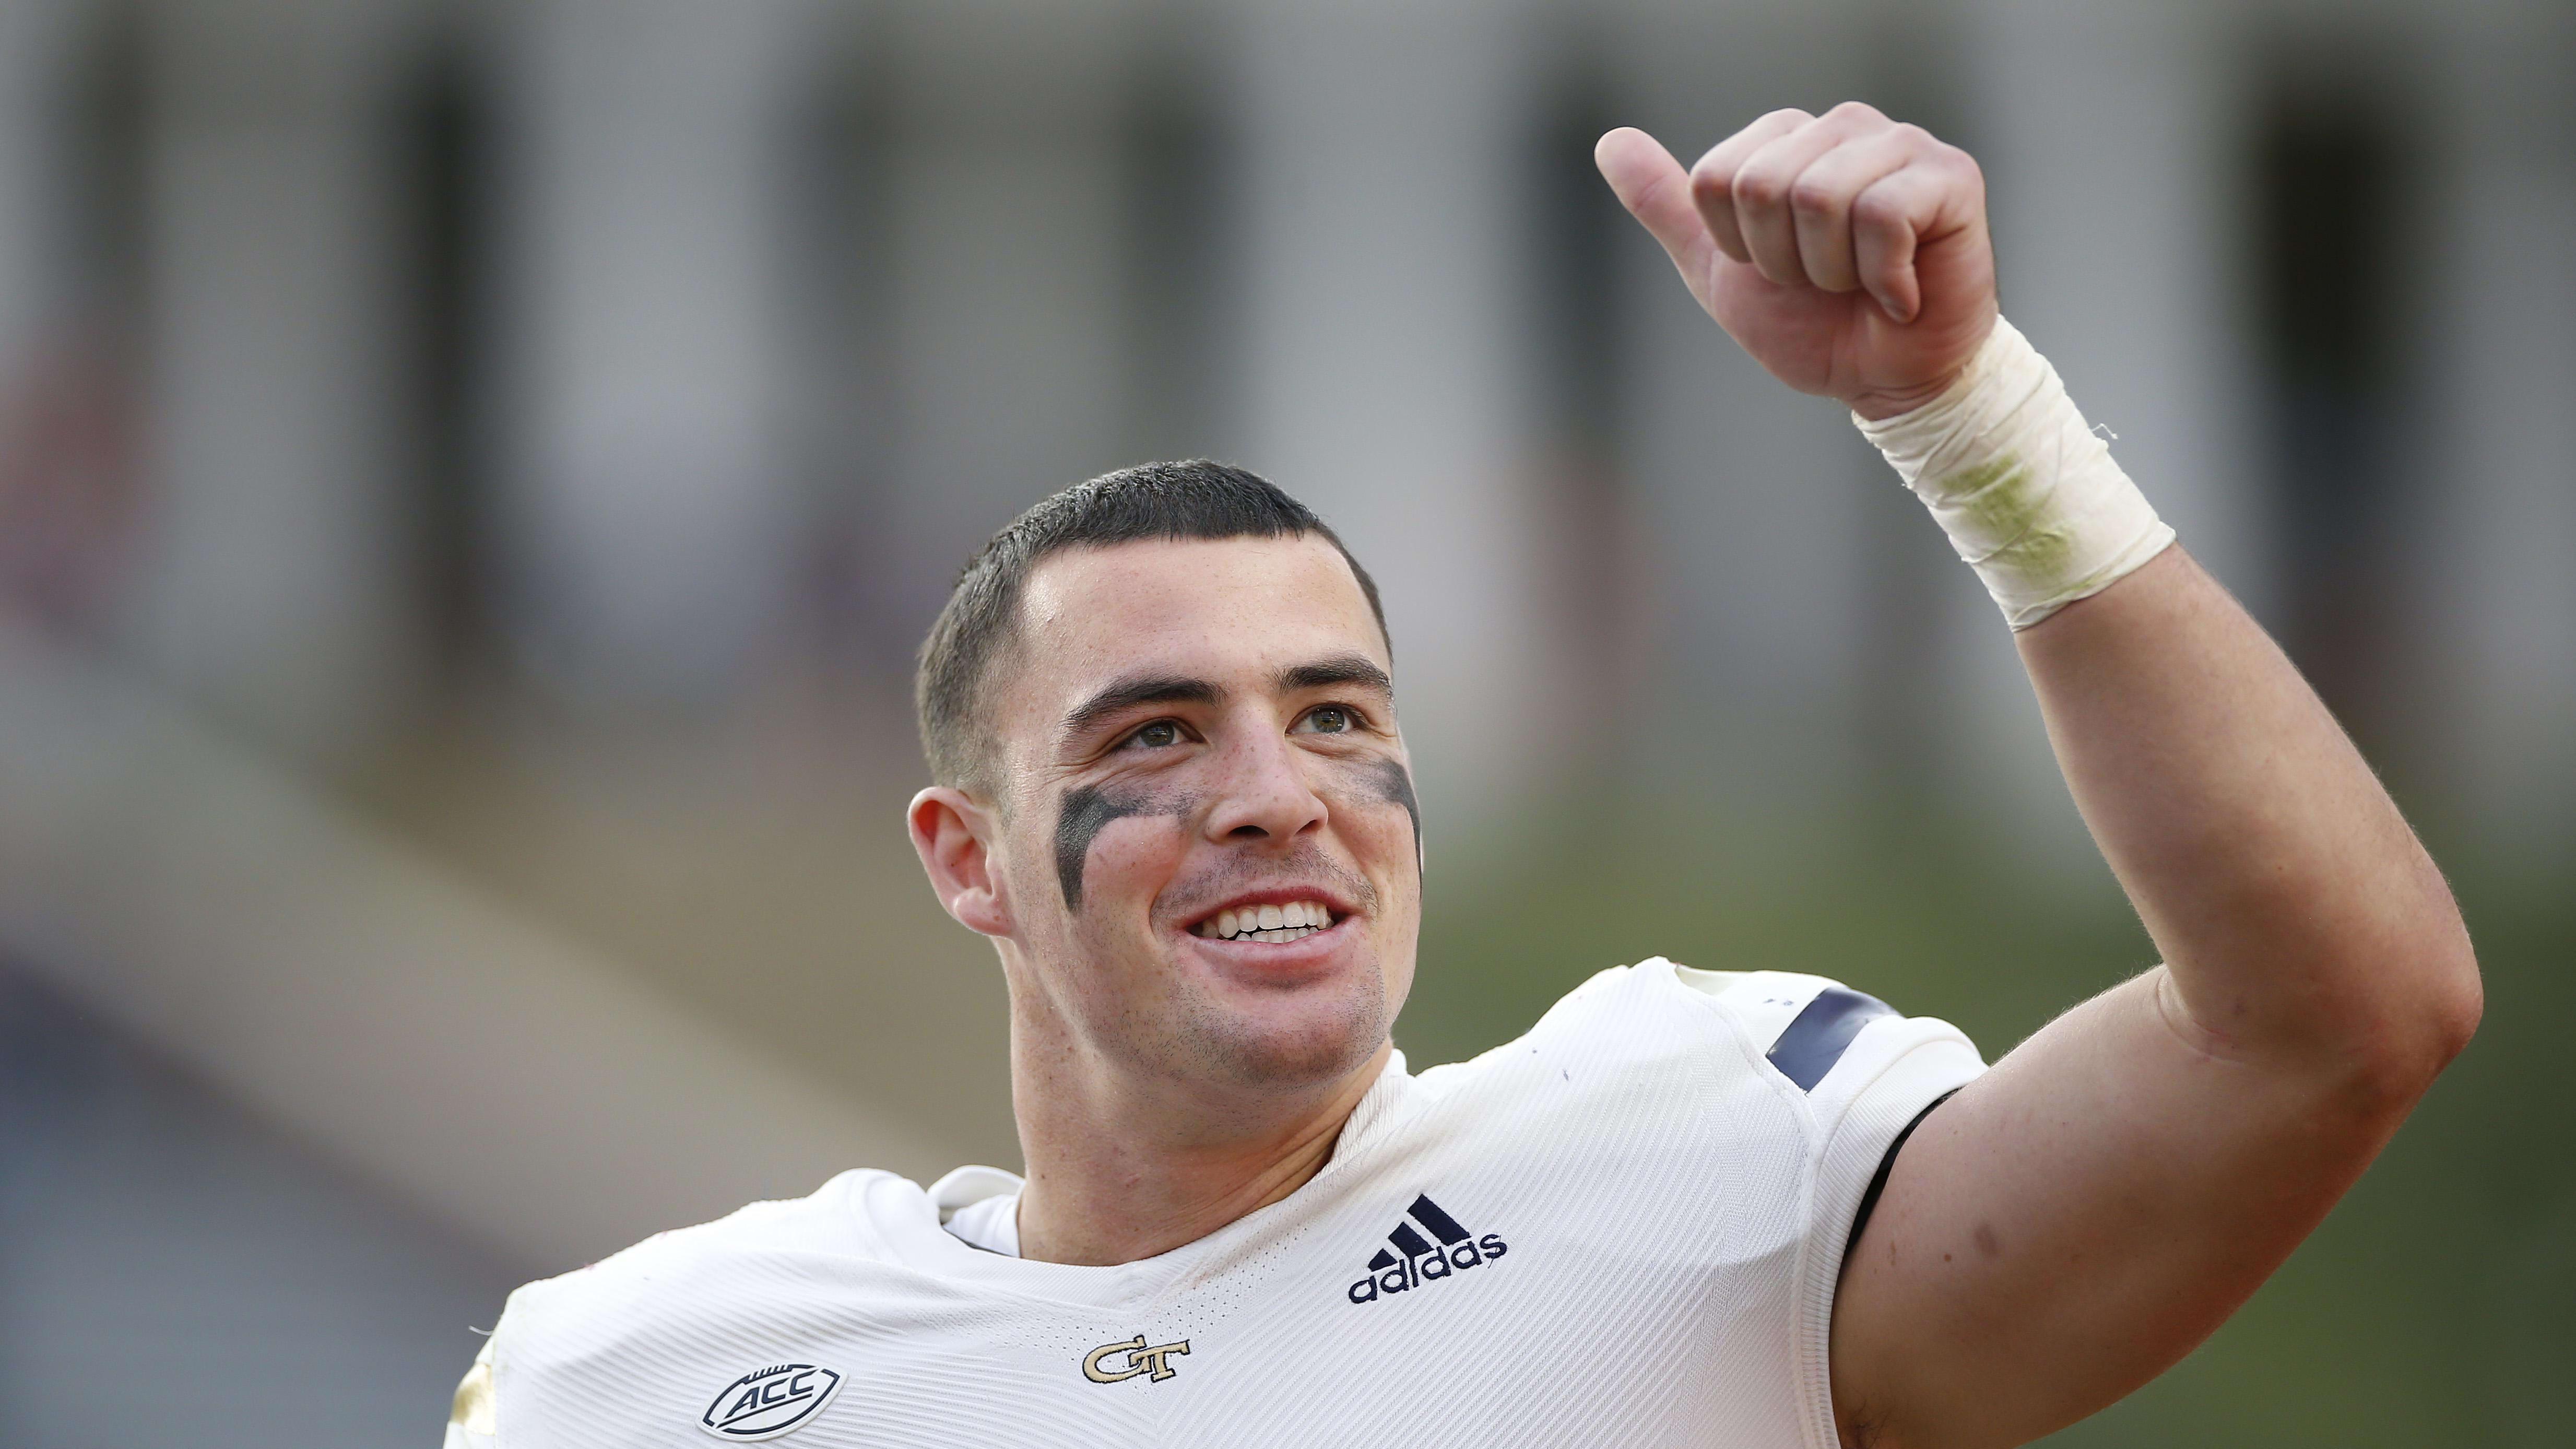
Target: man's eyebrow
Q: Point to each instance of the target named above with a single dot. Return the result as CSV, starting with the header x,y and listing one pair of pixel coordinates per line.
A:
x,y
1126,694
1356,669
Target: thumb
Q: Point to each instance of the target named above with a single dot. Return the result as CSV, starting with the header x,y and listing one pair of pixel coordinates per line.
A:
x,y
1656,191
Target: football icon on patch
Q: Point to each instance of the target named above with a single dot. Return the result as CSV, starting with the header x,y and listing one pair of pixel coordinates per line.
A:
x,y
768,1402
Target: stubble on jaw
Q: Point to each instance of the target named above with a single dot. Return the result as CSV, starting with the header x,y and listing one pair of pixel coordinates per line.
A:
x,y
1210,1043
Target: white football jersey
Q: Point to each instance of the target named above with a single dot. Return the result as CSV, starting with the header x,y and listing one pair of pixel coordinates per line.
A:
x,y
1622,1229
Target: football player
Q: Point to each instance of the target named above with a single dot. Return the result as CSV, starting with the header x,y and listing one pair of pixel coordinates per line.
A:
x,y
1688,1206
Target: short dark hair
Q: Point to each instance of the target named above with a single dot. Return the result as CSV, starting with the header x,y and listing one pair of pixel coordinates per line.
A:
x,y
1196,499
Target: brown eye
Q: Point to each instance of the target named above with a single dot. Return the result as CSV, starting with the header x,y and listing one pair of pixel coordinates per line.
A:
x,y
1161,734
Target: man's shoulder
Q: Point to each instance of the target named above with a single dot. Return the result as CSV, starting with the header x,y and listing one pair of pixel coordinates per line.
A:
x,y
625,1290
1635,1007
644,1335
1780,1030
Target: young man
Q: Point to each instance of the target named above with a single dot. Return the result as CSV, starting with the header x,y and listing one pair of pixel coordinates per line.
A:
x,y
1687,1207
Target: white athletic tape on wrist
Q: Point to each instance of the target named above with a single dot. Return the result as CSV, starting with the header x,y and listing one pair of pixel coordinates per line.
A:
x,y
2024,487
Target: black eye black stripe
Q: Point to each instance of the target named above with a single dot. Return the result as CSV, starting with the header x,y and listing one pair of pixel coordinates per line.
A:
x,y
1087,811
1395,784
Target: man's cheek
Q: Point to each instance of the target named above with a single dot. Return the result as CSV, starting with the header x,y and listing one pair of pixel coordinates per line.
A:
x,y
1127,865
1394,785
1377,796
1086,814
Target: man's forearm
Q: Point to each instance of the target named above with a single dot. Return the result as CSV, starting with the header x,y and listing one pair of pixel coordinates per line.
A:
x,y
2298,916
2296,911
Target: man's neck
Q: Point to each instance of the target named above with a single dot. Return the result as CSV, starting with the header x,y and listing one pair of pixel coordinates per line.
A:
x,y
1116,1176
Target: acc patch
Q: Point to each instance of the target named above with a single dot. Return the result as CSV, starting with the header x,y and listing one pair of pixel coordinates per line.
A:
x,y
769,1402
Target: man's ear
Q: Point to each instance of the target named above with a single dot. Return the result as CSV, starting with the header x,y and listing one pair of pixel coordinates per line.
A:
x,y
953,834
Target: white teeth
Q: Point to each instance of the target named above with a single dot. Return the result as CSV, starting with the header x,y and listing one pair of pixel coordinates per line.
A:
x,y
1268,923
1278,933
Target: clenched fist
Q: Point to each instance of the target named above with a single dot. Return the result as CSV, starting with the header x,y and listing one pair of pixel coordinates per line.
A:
x,y
1846,252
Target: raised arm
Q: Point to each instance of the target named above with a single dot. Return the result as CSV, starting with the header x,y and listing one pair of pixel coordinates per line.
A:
x,y
2077,1219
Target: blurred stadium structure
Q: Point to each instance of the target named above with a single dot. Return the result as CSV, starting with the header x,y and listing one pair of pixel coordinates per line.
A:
x,y
471,477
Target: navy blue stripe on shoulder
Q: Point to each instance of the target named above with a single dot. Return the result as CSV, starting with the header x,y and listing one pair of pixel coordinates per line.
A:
x,y
1810,1045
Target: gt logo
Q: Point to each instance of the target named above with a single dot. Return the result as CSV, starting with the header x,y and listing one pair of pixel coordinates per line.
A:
x,y
1140,1360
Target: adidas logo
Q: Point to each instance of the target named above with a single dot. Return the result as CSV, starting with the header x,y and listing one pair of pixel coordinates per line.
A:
x,y
1417,1261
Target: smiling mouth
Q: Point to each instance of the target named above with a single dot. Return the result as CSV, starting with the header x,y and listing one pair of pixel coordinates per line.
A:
x,y
1291,922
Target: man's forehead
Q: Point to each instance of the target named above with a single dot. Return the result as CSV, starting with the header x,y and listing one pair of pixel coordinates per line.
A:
x,y
1287,592
1199,606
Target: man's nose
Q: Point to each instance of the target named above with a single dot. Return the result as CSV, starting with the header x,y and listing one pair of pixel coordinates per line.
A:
x,y
1262,791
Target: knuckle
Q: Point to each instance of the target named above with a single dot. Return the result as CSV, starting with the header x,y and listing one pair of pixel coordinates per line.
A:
x,y
1759,187
1855,111
1815,198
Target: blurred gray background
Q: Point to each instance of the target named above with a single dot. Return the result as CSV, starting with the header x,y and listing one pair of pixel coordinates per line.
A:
x,y
472,476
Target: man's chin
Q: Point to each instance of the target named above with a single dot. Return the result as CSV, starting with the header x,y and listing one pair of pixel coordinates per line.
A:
x,y
1287,1047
